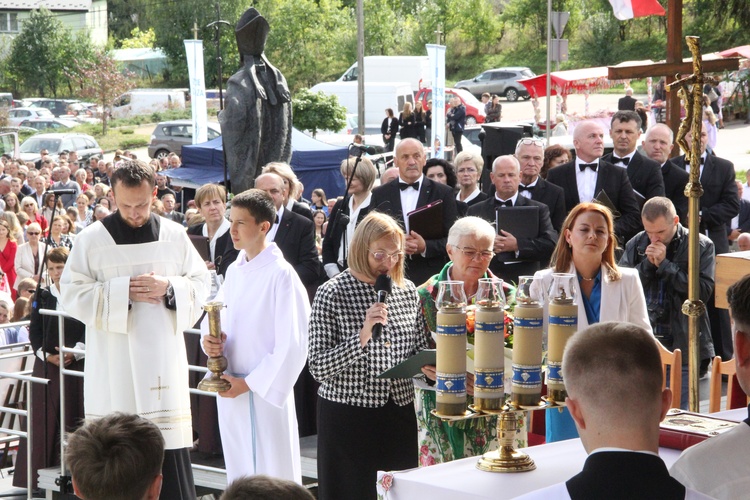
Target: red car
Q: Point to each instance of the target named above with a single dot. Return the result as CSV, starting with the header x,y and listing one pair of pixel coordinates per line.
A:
x,y
474,107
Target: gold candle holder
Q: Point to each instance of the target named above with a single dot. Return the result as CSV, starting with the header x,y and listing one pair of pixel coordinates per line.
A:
x,y
216,364
506,458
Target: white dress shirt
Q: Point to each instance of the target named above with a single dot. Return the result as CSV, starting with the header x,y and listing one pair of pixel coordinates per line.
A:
x,y
586,180
275,226
409,199
527,194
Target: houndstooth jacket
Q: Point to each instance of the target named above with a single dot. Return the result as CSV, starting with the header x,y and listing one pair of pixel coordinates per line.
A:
x,y
347,371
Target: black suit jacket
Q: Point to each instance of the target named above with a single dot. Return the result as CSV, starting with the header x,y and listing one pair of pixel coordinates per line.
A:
x,y
623,475
463,206
675,180
387,199
626,103
335,230
301,209
225,252
644,175
744,220
720,201
614,181
533,253
554,197
296,240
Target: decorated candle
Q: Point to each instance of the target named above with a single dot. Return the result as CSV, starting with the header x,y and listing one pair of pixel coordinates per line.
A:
x,y
451,349
489,345
562,324
528,321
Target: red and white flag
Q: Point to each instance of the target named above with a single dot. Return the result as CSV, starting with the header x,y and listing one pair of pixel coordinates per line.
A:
x,y
628,9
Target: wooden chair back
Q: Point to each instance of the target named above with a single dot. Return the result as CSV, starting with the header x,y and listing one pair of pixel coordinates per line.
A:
x,y
734,391
673,359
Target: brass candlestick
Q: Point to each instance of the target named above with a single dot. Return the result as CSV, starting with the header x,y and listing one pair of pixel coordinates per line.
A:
x,y
215,364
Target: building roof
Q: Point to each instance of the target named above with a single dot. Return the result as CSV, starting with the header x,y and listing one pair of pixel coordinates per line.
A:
x,y
54,5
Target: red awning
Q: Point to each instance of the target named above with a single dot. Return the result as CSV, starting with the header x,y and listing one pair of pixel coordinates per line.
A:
x,y
568,82
742,51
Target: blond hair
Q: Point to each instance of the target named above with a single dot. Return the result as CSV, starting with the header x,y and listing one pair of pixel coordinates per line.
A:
x,y
375,226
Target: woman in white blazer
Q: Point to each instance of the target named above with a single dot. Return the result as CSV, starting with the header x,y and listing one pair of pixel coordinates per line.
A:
x,y
29,255
605,292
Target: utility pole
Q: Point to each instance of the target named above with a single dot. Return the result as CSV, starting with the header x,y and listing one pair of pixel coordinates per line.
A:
x,y
217,43
361,66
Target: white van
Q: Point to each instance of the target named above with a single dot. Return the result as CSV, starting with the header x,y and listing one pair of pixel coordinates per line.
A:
x,y
141,102
378,97
412,69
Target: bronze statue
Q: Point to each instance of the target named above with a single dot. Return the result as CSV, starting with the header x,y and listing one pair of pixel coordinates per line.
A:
x,y
256,124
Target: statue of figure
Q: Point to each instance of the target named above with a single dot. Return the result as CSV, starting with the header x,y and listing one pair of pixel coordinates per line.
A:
x,y
256,123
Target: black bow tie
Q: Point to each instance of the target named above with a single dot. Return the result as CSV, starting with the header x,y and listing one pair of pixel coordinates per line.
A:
x,y
404,186
500,203
703,160
592,166
521,187
624,161
277,219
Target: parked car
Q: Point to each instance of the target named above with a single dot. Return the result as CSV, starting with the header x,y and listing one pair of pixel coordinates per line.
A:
x,y
49,123
17,115
85,145
58,107
500,81
169,137
474,108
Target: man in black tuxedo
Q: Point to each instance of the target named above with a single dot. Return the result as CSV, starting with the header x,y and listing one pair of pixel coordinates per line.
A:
x,y
643,172
626,103
410,191
292,233
292,189
515,256
530,154
718,205
620,434
588,175
657,145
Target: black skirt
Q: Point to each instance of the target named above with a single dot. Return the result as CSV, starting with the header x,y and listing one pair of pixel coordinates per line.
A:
x,y
354,443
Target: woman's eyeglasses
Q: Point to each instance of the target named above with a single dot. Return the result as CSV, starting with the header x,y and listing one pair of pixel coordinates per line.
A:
x,y
381,256
471,253
29,233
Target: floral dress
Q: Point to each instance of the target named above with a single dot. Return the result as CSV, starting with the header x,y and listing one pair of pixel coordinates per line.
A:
x,y
440,441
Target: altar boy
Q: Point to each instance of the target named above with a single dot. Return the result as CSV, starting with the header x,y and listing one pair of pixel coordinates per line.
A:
x,y
264,338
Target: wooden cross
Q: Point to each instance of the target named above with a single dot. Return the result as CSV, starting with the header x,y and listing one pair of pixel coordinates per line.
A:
x,y
195,30
438,32
159,387
673,66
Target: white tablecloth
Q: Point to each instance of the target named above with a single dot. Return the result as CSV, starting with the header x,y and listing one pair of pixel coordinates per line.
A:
x,y
555,462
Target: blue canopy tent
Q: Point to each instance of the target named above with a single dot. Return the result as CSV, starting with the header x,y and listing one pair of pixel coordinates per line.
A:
x,y
315,163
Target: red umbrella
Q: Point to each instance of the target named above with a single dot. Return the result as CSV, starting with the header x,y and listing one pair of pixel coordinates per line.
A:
x,y
567,82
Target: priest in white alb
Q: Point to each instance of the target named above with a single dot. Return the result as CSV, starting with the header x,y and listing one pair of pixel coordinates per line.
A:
x,y
264,338
137,283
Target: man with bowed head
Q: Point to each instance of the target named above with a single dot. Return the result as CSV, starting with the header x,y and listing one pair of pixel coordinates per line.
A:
x,y
613,377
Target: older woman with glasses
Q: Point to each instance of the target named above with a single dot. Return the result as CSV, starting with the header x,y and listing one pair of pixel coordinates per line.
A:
x,y
469,247
469,168
365,424
29,255
29,206
605,291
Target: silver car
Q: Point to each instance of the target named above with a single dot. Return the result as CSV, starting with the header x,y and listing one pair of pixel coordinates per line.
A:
x,y
500,81
169,137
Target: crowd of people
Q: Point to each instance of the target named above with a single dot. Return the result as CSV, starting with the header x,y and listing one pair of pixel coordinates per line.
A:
x,y
303,331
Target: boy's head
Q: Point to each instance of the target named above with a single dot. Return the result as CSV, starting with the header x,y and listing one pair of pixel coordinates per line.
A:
x,y
117,457
252,215
56,259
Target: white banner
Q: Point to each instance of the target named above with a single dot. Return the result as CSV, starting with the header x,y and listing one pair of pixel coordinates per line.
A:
x,y
194,50
437,71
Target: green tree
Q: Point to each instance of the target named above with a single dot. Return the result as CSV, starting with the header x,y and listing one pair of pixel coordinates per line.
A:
x,y
124,16
315,111
139,39
101,81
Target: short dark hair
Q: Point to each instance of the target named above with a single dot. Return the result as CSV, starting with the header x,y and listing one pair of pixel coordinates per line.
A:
x,y
627,116
258,203
263,487
658,206
58,255
450,171
116,457
132,173
738,297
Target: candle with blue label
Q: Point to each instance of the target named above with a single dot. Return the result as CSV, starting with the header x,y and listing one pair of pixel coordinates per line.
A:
x,y
562,324
451,349
528,322
489,345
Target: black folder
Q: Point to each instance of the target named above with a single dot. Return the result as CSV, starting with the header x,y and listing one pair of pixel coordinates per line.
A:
x,y
521,222
427,221
201,244
603,199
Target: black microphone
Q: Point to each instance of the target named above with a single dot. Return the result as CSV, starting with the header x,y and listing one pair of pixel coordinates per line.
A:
x,y
62,191
383,286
